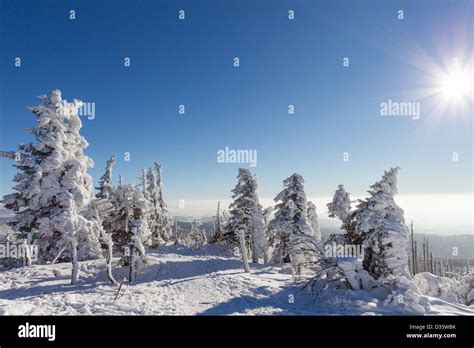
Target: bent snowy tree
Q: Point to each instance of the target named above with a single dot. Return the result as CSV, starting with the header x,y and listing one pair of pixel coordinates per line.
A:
x,y
380,223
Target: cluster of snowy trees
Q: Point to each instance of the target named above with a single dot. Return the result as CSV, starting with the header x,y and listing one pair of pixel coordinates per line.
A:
x,y
293,235
137,217
55,205
290,236
378,224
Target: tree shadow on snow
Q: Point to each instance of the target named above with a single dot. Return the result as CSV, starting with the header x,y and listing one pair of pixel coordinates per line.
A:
x,y
291,300
17,293
182,270
276,303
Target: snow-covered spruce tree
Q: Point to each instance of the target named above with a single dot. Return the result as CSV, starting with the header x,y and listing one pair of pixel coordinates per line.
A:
x,y
159,220
99,211
229,236
105,194
128,226
166,221
380,223
340,207
290,232
23,221
267,213
103,208
155,212
313,220
259,240
148,214
197,237
246,217
54,187
177,233
218,233
140,233
119,219
330,270
144,184
106,187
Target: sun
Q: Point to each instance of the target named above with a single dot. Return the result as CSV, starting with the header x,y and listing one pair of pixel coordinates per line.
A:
x,y
456,85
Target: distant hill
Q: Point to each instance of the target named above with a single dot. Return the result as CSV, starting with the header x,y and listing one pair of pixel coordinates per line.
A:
x,y
442,246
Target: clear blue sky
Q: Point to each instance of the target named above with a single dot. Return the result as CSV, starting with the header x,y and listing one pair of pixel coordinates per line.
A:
x,y
282,62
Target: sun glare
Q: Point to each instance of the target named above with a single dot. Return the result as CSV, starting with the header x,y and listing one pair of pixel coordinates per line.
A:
x,y
456,85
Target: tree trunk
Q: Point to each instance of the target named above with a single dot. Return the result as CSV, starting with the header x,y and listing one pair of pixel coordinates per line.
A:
x,y
266,257
131,273
413,268
431,262
75,264
416,257
424,255
27,254
255,252
243,249
109,264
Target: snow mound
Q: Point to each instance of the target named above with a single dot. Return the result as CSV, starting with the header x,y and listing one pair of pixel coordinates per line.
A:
x,y
450,290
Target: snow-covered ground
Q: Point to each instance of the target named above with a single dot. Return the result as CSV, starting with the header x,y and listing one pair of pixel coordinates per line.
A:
x,y
179,281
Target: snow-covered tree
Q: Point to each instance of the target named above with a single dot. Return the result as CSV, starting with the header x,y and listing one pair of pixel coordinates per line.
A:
x,y
218,233
380,223
54,188
290,232
259,240
166,221
144,184
159,220
229,237
313,220
128,226
103,208
340,207
154,216
267,213
99,211
338,273
246,220
140,233
122,215
197,237
24,219
105,187
177,232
